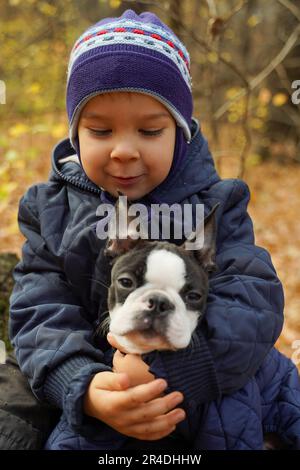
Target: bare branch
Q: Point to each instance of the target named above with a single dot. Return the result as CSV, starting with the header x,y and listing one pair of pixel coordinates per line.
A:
x,y
264,73
284,78
235,10
195,38
291,7
247,135
212,8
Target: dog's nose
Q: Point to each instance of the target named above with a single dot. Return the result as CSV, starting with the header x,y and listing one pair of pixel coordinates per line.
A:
x,y
160,304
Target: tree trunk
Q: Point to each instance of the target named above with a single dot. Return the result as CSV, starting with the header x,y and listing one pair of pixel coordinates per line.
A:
x,y
7,264
176,19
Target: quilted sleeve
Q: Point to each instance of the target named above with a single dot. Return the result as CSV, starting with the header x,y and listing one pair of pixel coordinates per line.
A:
x,y
244,313
47,326
279,384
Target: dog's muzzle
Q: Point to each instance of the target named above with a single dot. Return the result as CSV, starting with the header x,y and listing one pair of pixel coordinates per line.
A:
x,y
152,318
159,304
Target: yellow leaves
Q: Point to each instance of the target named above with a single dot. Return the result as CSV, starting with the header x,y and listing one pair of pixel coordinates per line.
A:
x,y
213,57
233,117
236,111
3,170
253,21
47,9
262,112
13,228
115,3
59,130
18,130
19,165
34,88
279,99
11,155
238,107
256,123
258,110
226,56
232,92
4,141
253,159
6,189
264,96
259,117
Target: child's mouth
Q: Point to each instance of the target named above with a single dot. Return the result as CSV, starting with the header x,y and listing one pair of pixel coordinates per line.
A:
x,y
127,181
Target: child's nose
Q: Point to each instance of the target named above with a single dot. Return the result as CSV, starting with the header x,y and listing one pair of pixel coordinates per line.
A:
x,y
125,150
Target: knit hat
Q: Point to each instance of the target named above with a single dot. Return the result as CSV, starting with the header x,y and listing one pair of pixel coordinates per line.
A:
x,y
137,53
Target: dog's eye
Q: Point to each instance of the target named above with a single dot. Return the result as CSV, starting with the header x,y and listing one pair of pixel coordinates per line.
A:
x,y
193,296
125,282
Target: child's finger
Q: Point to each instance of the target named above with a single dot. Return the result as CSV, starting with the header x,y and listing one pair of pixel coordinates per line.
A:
x,y
158,427
111,381
155,408
139,394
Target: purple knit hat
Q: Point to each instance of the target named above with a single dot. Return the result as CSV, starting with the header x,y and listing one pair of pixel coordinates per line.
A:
x,y
137,53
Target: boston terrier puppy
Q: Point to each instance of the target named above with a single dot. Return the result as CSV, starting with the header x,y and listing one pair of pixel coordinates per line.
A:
x,y
158,293
158,290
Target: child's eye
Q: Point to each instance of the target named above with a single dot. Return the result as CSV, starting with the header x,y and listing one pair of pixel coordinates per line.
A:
x,y
100,131
103,132
156,132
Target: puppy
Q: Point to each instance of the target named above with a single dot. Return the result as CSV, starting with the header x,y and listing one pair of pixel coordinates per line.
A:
x,y
158,290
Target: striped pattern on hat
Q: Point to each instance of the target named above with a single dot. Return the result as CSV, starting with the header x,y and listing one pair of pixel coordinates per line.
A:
x,y
136,33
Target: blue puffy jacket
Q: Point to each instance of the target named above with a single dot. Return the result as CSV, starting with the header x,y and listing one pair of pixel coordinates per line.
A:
x,y
58,298
268,403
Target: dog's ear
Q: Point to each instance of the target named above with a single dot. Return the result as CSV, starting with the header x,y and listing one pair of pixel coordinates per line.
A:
x,y
206,254
120,240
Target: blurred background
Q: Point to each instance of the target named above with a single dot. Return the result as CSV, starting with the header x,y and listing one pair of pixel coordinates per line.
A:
x,y
245,66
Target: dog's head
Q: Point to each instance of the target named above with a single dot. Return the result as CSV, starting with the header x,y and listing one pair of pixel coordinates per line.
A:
x,y
158,290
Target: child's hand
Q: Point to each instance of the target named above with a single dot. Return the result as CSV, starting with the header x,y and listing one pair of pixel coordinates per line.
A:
x,y
138,412
131,364
135,368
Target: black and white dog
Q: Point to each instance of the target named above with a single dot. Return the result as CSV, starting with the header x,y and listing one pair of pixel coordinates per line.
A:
x,y
158,290
158,293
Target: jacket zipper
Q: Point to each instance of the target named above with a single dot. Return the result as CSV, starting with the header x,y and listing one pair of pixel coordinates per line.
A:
x,y
79,185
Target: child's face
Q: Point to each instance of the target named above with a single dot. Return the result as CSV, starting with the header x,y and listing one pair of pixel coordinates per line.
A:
x,y
118,137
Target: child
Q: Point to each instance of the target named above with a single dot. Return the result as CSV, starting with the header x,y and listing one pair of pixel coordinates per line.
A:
x,y
130,105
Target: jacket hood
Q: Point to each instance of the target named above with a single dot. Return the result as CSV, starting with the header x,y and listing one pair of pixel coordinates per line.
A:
x,y
197,171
